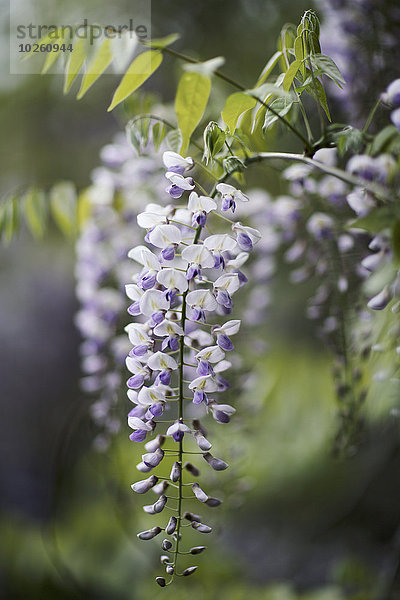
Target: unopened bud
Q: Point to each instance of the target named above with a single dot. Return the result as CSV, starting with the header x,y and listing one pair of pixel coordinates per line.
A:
x,y
199,493
160,487
172,523
170,570
214,139
153,459
160,504
191,517
192,469
164,559
166,545
175,472
143,468
141,487
161,581
189,571
149,534
215,463
201,527
213,502
152,445
197,549
202,441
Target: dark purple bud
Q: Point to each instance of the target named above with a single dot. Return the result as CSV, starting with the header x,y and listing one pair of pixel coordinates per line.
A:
x,y
169,570
172,523
204,368
149,534
221,417
175,472
192,469
201,527
161,581
160,504
168,253
199,493
134,309
244,242
199,397
138,436
147,281
197,549
224,342
135,382
141,487
192,517
213,502
174,191
139,350
201,441
189,571
215,463
166,545
224,298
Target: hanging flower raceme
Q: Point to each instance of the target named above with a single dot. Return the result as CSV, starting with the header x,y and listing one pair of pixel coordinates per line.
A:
x,y
186,278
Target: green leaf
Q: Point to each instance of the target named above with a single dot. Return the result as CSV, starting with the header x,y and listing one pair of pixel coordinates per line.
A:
x,y
384,139
269,89
236,104
49,38
9,219
53,56
269,67
35,211
233,164
214,140
174,140
158,134
140,69
190,103
291,74
206,68
138,131
75,63
349,139
375,221
97,65
328,67
316,91
161,43
282,106
63,204
299,52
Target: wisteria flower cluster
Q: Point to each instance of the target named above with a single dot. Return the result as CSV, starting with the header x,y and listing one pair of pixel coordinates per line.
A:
x,y
187,276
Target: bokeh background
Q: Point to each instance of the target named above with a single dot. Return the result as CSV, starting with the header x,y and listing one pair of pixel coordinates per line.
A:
x,y
300,523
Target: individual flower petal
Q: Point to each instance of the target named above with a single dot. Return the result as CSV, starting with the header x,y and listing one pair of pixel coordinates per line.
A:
x,y
202,299
173,279
201,203
145,257
160,362
212,353
177,163
164,235
152,302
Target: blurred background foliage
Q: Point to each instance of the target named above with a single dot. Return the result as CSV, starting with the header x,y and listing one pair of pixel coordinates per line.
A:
x,y
299,523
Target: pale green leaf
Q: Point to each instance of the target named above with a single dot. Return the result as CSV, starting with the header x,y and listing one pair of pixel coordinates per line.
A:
x,y
140,69
328,67
35,211
75,63
174,140
9,219
190,103
236,104
161,43
291,74
51,57
96,66
269,67
281,106
63,207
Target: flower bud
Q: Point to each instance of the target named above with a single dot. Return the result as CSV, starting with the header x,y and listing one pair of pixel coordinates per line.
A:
x,y
191,517
199,493
149,534
160,487
192,469
161,581
175,472
213,502
189,571
172,523
201,441
152,445
153,459
166,545
164,559
215,463
143,468
170,570
141,487
160,504
201,527
214,139
197,549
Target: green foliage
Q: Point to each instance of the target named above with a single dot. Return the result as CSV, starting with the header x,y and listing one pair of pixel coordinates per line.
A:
x,y
236,105
35,211
161,43
348,139
96,66
214,140
74,64
63,202
269,67
282,106
190,103
140,69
